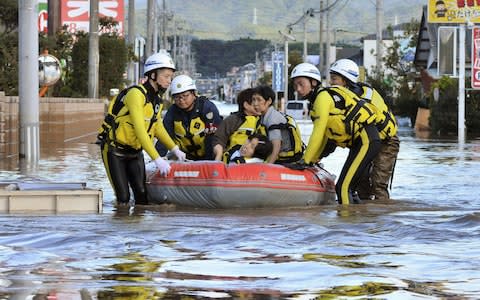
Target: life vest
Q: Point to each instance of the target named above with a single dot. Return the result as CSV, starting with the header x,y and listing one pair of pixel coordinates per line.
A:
x,y
190,137
116,128
296,147
385,120
349,115
239,136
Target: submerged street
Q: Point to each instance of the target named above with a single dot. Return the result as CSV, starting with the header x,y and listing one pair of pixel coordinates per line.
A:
x,y
423,245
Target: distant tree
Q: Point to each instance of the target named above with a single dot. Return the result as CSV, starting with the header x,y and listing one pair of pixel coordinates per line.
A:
x,y
398,87
294,58
472,114
113,61
266,79
444,110
215,57
59,45
9,47
72,51
8,15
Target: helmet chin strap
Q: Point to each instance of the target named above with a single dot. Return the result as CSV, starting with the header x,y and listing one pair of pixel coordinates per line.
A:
x,y
153,77
311,96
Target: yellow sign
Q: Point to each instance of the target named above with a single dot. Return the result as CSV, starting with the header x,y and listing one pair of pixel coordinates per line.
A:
x,y
453,11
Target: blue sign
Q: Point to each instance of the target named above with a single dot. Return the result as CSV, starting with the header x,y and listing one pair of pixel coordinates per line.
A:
x,y
278,63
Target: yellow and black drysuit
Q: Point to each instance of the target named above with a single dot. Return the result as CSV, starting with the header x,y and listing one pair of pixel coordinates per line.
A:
x,y
339,116
133,119
374,184
188,128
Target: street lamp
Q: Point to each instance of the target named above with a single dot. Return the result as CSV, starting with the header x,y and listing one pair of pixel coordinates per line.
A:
x,y
286,38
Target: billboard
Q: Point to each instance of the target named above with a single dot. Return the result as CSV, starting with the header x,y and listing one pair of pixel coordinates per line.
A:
x,y
75,14
453,11
42,16
476,57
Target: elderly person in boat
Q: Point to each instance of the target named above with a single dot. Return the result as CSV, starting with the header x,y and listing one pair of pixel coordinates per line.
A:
x,y
256,148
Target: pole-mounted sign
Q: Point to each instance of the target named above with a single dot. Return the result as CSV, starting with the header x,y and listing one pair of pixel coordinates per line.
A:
x,y
278,71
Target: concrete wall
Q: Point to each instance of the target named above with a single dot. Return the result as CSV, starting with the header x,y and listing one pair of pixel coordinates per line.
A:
x,y
62,120
9,127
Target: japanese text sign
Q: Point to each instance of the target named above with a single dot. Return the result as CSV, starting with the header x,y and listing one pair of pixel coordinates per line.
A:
x,y
453,11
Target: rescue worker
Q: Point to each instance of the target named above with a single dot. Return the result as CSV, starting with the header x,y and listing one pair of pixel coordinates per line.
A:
x,y
281,129
339,117
235,129
374,184
132,121
192,120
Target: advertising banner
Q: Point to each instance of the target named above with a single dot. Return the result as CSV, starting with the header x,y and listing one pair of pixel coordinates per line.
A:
x,y
453,11
42,16
75,14
476,57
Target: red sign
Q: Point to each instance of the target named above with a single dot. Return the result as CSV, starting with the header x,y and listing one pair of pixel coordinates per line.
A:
x,y
461,3
476,57
43,21
75,13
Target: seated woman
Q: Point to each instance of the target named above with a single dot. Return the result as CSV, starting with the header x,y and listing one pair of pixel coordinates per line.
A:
x,y
256,148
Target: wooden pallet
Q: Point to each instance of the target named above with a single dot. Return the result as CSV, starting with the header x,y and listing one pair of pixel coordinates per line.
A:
x,y
30,198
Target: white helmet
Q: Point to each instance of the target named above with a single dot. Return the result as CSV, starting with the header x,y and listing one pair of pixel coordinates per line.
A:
x,y
182,83
306,70
347,68
157,61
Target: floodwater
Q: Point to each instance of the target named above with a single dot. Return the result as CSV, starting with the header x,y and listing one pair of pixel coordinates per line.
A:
x,y
425,244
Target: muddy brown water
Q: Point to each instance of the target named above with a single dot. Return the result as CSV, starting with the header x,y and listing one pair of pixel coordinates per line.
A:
x,y
425,244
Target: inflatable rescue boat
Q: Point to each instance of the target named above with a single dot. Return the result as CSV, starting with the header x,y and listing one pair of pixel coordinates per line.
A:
x,y
212,184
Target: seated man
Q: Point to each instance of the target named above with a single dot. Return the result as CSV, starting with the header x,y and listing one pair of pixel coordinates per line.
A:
x,y
256,148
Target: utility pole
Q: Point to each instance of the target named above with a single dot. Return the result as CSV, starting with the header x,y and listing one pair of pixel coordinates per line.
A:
x,y
305,52
379,12
320,38
164,26
285,73
155,35
93,57
131,39
53,17
28,80
461,86
286,37
327,59
174,42
150,24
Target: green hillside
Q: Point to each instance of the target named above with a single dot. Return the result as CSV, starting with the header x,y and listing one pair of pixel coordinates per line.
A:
x,y
234,19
